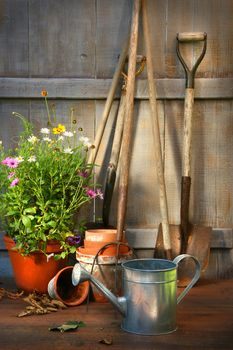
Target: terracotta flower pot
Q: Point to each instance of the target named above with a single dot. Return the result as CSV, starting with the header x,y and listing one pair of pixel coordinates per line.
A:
x,y
93,247
61,288
107,270
101,235
33,272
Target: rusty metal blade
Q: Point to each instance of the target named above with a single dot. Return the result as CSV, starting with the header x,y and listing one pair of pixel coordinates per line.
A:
x,y
198,245
175,237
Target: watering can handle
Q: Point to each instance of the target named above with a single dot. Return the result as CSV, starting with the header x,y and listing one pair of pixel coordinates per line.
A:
x,y
195,277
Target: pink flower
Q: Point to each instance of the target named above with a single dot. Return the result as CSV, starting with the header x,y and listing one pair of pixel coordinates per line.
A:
x,y
14,182
11,162
83,173
91,193
11,175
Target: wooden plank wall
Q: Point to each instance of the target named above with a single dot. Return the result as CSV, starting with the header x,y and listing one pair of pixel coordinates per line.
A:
x,y
71,48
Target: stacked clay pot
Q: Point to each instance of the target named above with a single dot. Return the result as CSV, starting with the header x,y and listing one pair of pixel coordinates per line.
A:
x,y
106,267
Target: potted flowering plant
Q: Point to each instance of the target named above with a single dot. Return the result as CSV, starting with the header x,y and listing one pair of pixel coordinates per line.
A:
x,y
45,180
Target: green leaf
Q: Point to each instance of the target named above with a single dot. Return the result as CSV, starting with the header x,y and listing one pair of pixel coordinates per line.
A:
x,y
73,249
63,255
30,210
68,326
26,221
52,223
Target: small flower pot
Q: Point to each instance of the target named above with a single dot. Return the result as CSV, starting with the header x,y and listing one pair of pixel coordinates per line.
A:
x,y
107,269
34,271
101,235
93,247
61,288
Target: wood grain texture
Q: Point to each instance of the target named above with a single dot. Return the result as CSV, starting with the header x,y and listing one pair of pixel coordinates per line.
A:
x,y
62,38
212,164
75,88
214,17
112,28
11,125
204,321
14,38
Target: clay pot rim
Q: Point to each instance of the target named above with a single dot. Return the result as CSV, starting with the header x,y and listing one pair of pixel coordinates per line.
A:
x,y
52,246
85,284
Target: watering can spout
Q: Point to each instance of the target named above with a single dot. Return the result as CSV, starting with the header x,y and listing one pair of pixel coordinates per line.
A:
x,y
80,275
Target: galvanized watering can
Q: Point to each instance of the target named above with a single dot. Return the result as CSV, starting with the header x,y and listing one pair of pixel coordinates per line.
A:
x,y
149,287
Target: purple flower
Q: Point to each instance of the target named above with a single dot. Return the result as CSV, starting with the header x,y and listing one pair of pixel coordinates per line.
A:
x,y
73,240
14,182
11,162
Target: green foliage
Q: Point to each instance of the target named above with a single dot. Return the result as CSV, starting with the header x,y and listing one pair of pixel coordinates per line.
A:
x,y
44,182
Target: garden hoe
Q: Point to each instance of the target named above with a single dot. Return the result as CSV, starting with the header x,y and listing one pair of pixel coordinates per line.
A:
x,y
188,238
156,138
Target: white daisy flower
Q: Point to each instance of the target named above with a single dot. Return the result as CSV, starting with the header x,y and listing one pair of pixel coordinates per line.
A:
x,y
45,131
20,159
32,159
68,134
33,139
85,141
60,138
46,138
68,150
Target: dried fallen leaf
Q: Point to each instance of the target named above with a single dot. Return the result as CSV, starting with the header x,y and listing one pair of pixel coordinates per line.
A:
x,y
68,326
40,304
106,341
10,294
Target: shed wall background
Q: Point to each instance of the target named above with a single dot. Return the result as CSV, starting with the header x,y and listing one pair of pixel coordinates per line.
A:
x,y
71,49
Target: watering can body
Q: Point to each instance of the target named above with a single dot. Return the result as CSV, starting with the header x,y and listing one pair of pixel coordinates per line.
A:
x,y
149,301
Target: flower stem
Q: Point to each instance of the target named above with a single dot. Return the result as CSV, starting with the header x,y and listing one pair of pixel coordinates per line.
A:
x,y
48,112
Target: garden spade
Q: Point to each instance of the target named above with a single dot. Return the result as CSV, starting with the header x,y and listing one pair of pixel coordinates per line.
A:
x,y
187,237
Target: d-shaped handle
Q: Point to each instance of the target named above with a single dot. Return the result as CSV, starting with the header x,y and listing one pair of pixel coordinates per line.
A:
x,y
195,277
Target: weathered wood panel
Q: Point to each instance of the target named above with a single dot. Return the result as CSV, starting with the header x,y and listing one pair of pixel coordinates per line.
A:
x,y
10,125
215,18
112,29
14,38
71,88
62,38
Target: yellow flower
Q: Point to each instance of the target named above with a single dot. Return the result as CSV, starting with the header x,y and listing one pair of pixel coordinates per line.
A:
x,y
59,129
44,93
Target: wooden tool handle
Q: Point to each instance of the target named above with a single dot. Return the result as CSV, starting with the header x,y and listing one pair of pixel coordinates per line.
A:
x,y
188,113
191,36
116,145
108,104
184,211
127,133
113,163
156,134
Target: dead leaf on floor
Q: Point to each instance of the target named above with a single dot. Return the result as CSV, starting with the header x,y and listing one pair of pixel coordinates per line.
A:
x,y
40,304
68,326
106,341
9,294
